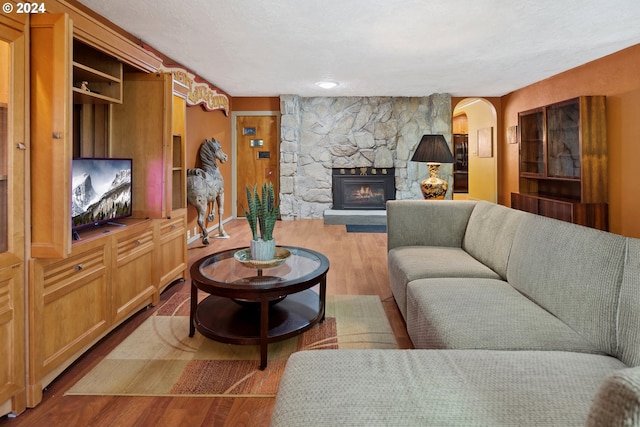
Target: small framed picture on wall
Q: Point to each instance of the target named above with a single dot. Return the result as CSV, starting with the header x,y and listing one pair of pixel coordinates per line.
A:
x,y
485,142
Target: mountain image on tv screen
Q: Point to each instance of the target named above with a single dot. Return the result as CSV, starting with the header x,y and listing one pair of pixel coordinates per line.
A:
x,y
101,190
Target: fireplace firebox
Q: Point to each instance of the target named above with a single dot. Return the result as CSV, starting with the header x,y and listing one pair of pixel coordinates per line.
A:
x,y
363,188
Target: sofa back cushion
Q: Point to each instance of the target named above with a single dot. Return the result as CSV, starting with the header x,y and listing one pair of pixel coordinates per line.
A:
x,y
629,311
490,233
427,223
574,272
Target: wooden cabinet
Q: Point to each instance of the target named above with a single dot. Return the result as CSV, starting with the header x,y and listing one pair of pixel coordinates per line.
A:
x,y
69,310
589,214
563,161
77,300
81,290
133,284
142,129
150,127
171,251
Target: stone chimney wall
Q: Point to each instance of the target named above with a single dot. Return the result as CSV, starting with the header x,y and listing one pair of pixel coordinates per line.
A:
x,y
322,133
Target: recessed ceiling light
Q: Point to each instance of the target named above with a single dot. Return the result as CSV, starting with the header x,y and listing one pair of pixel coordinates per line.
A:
x,y
326,84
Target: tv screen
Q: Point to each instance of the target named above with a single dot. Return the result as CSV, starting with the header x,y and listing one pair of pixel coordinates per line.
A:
x,y
101,191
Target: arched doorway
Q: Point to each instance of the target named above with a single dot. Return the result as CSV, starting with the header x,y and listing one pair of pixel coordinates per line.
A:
x,y
481,162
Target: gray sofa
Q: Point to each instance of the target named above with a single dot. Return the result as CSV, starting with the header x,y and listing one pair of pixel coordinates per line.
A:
x,y
516,320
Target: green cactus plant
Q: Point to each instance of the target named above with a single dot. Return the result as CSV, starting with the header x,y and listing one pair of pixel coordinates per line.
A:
x,y
262,212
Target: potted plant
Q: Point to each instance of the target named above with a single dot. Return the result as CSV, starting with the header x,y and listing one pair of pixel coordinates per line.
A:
x,y
262,214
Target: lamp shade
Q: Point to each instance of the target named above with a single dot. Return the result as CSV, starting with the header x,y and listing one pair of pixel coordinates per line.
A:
x,y
433,149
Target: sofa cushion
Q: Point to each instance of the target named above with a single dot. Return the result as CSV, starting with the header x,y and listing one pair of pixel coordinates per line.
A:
x,y
572,271
617,402
489,234
438,388
629,308
417,262
462,313
427,223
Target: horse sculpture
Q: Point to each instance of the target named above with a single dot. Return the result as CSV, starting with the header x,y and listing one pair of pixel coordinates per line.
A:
x,y
206,186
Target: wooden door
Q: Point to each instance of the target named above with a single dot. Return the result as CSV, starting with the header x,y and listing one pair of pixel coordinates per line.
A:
x,y
13,149
141,130
258,155
51,127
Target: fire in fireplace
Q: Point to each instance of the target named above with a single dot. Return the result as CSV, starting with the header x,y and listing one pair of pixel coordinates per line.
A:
x,y
363,188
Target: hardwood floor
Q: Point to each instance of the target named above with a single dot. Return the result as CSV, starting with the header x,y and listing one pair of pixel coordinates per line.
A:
x,y
358,267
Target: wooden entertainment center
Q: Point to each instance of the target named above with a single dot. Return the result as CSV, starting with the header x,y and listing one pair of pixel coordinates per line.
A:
x,y
82,289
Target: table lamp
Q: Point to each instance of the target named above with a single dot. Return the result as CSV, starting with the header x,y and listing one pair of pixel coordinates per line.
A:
x,y
433,150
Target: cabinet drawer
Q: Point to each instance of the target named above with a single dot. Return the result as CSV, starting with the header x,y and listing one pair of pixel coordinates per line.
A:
x,y
64,276
556,209
134,246
169,228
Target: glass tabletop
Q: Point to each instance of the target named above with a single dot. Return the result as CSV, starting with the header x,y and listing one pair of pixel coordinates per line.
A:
x,y
223,269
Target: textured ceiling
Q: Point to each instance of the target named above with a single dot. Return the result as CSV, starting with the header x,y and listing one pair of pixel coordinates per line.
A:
x,y
378,47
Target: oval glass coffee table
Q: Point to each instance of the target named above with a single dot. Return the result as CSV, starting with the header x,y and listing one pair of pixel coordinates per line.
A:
x,y
249,305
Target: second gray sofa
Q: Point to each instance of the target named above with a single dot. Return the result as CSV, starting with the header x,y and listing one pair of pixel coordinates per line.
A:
x,y
517,319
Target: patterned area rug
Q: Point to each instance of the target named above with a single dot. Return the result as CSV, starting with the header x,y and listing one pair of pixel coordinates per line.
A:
x,y
159,358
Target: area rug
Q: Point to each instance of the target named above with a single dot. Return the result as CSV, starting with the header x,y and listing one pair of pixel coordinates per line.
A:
x,y
159,358
366,228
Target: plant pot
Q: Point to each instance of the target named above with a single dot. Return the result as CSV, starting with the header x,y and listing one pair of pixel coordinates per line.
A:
x,y
263,251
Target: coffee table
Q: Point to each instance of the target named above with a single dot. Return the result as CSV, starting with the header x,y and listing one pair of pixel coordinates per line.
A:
x,y
250,305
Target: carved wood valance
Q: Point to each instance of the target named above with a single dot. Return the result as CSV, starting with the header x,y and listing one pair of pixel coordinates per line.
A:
x,y
199,93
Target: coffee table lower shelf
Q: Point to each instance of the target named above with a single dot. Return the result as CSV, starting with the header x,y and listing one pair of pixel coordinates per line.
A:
x,y
225,320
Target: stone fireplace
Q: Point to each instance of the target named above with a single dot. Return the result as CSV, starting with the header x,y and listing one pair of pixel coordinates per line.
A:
x,y
322,134
363,188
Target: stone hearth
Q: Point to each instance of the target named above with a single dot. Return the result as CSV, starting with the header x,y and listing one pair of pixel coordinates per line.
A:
x,y
323,133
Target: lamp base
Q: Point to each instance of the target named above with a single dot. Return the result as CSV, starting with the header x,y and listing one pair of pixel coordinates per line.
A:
x,y
433,188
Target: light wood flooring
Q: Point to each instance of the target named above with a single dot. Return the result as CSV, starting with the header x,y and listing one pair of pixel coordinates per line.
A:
x,y
358,267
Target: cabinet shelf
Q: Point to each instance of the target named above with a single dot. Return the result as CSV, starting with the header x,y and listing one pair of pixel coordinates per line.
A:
x,y
101,73
83,97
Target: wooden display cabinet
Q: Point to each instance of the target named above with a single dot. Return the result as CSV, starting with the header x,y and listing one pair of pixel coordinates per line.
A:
x,y
150,127
81,290
563,162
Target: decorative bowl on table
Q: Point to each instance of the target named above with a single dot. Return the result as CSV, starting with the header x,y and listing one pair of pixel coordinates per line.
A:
x,y
279,257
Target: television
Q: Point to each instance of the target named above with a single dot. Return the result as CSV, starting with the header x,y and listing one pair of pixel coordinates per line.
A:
x,y
100,191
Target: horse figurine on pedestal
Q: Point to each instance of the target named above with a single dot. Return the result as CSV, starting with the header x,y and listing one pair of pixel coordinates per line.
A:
x,y
206,186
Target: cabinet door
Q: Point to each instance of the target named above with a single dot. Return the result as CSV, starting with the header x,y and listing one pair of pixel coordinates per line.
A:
x,y
13,71
556,209
133,286
172,250
532,156
69,310
563,140
141,130
524,203
50,135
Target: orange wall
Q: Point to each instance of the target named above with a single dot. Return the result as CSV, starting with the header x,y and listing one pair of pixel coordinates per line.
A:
x,y
201,125
255,104
616,76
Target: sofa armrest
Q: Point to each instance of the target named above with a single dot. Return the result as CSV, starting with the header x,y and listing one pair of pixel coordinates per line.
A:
x,y
427,223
